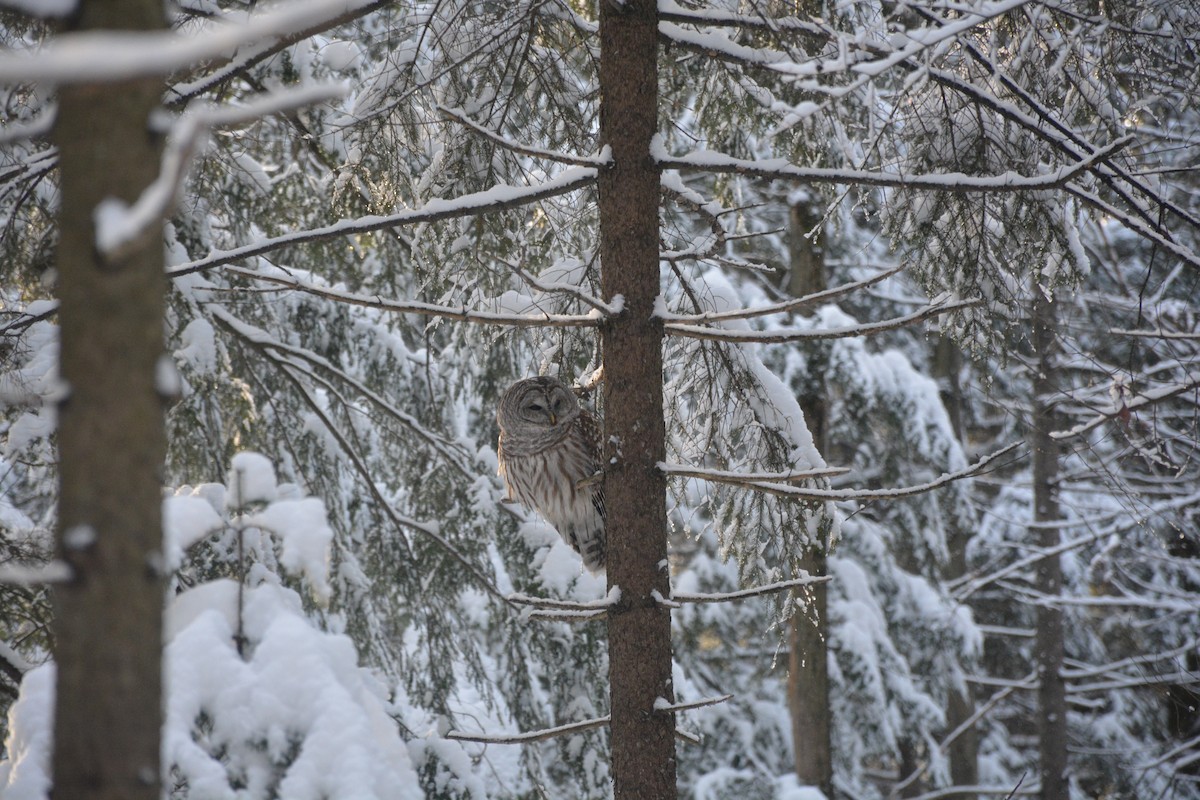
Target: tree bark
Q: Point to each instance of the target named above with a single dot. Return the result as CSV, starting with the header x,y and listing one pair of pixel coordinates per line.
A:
x,y
1048,644
639,629
808,658
963,753
111,442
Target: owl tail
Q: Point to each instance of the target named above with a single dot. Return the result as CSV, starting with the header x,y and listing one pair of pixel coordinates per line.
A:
x,y
589,542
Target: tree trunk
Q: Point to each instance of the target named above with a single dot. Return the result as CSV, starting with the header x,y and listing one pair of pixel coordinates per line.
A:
x,y
963,753
1052,695
111,442
639,629
808,659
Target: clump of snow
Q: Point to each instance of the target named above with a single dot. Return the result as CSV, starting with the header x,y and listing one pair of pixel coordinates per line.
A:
x,y
25,775
251,480
305,535
198,346
295,713
187,518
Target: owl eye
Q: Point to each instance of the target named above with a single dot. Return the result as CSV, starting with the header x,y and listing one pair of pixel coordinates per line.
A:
x,y
535,407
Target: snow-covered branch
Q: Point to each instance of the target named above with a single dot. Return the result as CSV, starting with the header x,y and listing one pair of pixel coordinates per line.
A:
x,y
110,56
788,306
729,476
806,493
781,335
489,201
1140,401
602,160
742,594
662,706
780,169
120,226
530,736
463,314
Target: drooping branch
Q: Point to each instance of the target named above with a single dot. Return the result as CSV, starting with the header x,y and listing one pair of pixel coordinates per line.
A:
x,y
458,115
489,201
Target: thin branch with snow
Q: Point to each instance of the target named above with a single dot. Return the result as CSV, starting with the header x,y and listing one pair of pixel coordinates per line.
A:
x,y
498,198
782,335
603,159
463,314
756,591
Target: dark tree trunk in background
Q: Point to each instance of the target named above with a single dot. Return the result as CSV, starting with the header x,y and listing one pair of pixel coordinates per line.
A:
x,y
1048,645
963,752
808,659
639,631
108,616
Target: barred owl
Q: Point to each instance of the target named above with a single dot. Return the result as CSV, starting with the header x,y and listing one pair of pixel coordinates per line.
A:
x,y
549,455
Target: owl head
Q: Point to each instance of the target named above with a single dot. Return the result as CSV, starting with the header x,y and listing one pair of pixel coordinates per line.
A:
x,y
536,405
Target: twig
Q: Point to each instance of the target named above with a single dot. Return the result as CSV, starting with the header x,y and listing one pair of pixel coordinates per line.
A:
x,y
742,594
604,159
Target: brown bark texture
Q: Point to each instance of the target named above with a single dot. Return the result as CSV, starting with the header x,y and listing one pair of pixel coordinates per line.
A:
x,y
639,629
1048,643
108,614
808,657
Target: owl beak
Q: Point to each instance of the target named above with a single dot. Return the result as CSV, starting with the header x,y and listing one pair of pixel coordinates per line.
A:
x,y
553,419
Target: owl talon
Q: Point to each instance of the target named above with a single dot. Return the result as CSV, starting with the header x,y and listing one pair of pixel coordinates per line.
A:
x,y
591,480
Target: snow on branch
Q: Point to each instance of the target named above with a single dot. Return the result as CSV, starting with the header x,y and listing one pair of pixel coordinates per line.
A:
x,y
464,314
781,169
547,733
488,201
788,306
256,52
530,736
120,226
547,608
798,334
604,159
276,354
112,56
1138,402
718,475
755,591
807,493
664,706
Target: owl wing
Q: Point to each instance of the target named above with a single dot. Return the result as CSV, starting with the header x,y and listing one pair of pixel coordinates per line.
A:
x,y
591,436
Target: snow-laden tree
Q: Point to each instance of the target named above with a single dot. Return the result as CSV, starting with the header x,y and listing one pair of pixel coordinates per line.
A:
x,y
389,214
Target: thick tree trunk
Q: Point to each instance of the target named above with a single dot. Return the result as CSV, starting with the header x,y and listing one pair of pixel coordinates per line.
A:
x,y
639,630
808,659
1052,695
108,617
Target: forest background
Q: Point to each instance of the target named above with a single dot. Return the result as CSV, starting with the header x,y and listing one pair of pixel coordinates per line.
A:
x,y
890,311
